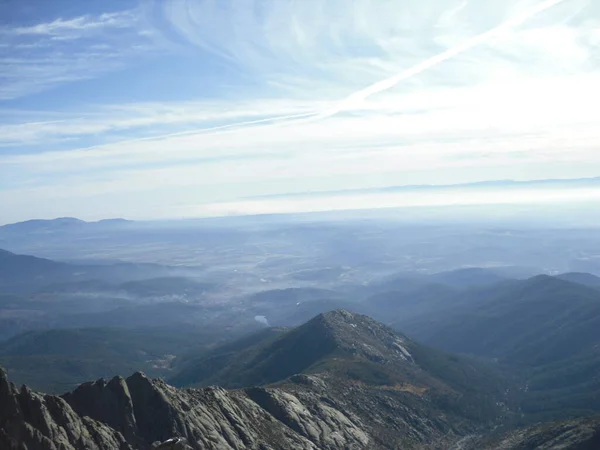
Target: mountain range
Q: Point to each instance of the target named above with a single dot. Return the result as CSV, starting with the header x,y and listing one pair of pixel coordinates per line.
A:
x,y
469,359
340,381
27,274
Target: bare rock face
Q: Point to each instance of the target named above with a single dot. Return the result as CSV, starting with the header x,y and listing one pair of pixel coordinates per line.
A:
x,y
363,337
364,390
33,421
366,396
109,403
307,412
577,434
349,384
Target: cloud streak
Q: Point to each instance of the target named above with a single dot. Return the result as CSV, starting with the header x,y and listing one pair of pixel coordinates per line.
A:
x,y
41,56
358,97
64,28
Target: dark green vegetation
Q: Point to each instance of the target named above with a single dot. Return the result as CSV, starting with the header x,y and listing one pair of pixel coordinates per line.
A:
x,y
397,393
59,360
541,337
341,380
545,331
511,351
29,274
537,321
17,271
358,349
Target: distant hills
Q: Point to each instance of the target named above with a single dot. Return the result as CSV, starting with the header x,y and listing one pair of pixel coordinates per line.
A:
x,y
58,360
59,224
24,273
587,279
539,335
15,268
545,330
539,320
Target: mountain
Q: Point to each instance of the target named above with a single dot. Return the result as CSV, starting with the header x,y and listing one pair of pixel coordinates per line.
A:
x,y
37,421
39,225
564,388
17,269
402,297
468,277
136,412
355,348
25,273
58,360
340,381
544,331
587,279
408,301
536,321
57,225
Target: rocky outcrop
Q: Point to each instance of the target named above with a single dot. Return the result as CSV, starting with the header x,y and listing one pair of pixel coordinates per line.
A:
x,y
577,434
308,412
341,381
33,421
110,403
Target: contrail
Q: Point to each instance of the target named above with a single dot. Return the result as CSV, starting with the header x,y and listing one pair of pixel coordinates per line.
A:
x,y
249,122
383,85
357,97
195,131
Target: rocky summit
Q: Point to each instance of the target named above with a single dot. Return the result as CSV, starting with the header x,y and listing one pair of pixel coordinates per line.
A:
x,y
136,413
360,386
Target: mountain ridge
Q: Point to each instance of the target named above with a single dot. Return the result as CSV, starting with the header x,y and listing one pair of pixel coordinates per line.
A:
x,y
58,223
321,410
367,388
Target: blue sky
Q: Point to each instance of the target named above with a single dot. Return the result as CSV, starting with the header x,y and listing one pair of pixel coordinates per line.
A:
x,y
176,108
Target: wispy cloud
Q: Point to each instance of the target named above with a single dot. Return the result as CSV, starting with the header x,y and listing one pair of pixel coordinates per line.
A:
x,y
344,45
133,119
69,28
36,57
520,104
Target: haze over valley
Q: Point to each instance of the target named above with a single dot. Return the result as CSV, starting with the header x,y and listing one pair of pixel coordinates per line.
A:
x,y
520,302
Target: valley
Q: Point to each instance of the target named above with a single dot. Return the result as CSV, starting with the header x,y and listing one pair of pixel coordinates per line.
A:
x,y
332,349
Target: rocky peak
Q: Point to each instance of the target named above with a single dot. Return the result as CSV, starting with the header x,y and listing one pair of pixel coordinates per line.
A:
x,y
46,422
364,337
308,413
3,378
108,402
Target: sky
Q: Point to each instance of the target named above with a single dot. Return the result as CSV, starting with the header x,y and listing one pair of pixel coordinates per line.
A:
x,y
177,108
